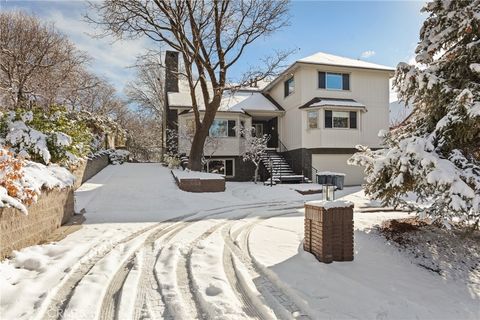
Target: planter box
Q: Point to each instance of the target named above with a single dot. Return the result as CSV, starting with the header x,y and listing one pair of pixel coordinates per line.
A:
x,y
329,230
53,208
199,182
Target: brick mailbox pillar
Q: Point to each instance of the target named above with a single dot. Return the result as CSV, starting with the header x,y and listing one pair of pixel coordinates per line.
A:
x,y
329,230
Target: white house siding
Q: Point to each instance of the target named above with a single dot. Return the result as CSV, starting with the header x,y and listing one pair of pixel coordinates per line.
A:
x,y
369,87
338,163
228,146
290,130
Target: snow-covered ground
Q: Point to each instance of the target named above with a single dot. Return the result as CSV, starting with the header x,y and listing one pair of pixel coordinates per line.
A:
x,y
151,251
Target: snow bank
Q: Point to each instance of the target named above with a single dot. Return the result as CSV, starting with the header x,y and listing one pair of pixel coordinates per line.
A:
x,y
330,173
381,283
187,174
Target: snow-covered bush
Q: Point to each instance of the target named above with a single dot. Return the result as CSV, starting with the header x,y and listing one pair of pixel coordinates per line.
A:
x,y
436,153
45,136
172,161
118,156
22,181
102,128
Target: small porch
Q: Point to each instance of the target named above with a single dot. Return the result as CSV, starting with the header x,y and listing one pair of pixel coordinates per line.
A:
x,y
266,123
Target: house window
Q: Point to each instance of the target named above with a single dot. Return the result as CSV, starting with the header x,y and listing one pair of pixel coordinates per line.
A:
x,y
289,86
333,81
221,166
340,119
312,119
223,128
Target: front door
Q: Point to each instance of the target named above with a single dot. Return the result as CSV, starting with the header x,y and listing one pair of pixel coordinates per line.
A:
x,y
268,127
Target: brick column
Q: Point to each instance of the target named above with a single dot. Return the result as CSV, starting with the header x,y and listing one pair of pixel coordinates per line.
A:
x,y
329,230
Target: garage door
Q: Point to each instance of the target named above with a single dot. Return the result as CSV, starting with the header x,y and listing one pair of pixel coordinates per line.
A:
x,y
338,163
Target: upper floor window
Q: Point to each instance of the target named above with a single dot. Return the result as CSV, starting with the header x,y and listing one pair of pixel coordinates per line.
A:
x,y
340,119
289,86
312,119
334,81
223,128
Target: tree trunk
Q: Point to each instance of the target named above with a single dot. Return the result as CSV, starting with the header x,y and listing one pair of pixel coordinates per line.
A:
x,y
201,133
256,174
196,151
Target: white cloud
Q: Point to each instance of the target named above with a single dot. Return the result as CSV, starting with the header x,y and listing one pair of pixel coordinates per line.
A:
x,y
110,59
367,54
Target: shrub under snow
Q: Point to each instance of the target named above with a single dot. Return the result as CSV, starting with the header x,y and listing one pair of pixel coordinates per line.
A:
x,y
22,181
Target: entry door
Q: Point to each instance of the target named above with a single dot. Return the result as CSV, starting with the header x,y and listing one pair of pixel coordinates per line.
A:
x,y
258,129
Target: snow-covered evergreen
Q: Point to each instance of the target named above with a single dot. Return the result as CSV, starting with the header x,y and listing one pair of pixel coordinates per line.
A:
x,y
436,153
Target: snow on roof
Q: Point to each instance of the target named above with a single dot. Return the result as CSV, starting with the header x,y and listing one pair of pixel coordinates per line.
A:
x,y
330,59
239,100
321,102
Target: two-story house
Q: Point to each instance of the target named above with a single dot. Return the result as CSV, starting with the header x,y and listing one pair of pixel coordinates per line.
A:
x,y
315,112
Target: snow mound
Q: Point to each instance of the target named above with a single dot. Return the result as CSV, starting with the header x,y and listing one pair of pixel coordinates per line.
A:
x,y
330,204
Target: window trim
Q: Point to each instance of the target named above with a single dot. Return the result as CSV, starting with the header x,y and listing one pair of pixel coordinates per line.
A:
x,y
341,128
285,93
224,164
308,119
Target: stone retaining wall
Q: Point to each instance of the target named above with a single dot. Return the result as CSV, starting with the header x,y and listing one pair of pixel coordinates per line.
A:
x,y
17,230
89,168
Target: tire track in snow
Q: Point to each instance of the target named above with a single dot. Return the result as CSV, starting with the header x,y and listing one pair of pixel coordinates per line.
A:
x,y
110,305
280,303
53,307
56,305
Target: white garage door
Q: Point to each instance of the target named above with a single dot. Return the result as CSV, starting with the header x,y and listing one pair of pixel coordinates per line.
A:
x,y
338,163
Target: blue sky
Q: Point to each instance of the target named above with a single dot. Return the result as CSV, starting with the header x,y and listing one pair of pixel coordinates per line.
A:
x,y
384,32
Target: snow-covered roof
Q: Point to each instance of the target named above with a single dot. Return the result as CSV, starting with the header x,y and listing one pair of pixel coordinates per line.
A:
x,y
332,60
323,102
238,100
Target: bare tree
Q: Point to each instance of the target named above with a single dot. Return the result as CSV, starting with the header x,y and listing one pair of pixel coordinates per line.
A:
x,y
147,92
211,36
255,148
35,60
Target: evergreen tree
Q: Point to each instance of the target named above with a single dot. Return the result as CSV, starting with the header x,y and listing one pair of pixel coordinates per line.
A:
x,y
435,153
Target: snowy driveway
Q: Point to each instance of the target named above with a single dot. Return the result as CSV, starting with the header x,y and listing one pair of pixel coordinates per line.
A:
x,y
151,251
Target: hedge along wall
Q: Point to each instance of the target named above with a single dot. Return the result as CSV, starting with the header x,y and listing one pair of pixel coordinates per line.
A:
x,y
53,208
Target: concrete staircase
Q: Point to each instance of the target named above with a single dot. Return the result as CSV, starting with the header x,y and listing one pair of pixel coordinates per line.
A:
x,y
280,171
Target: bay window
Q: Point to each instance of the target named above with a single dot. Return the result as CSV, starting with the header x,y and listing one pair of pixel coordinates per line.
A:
x,y
223,128
312,119
340,119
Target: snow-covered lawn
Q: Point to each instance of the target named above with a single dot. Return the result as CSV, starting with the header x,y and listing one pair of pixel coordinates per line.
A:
x,y
150,250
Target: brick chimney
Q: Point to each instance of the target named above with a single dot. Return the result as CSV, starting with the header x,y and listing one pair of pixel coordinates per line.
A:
x,y
171,85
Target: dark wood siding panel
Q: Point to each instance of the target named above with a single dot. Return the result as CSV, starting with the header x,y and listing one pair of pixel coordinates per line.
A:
x,y
346,81
321,80
328,118
353,120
